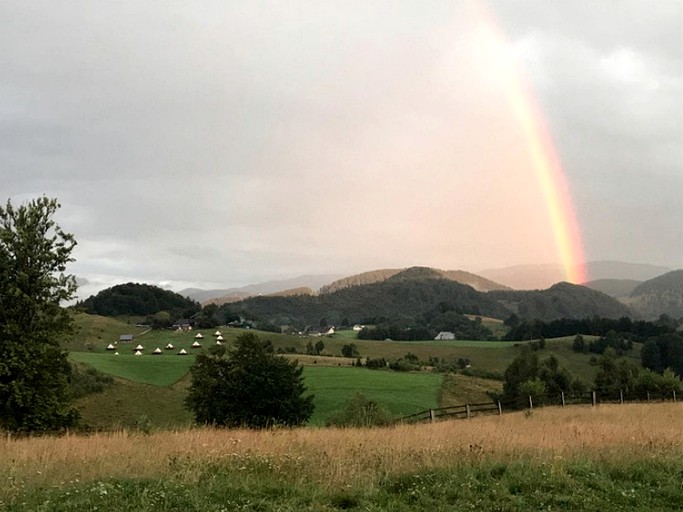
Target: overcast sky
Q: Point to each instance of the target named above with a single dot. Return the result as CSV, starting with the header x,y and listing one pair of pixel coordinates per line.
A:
x,y
218,143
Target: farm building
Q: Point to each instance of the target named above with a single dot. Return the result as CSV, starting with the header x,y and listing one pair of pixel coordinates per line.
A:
x,y
138,353
169,346
126,338
157,351
182,352
139,347
183,324
199,336
111,347
196,344
445,335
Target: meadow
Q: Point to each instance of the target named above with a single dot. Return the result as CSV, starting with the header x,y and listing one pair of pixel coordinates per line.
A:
x,y
150,389
605,458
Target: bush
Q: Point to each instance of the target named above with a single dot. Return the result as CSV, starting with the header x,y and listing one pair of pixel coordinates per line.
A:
x,y
350,350
359,411
376,363
403,365
86,380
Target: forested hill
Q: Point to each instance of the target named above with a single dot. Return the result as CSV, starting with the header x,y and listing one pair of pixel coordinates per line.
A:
x,y
562,300
403,296
139,300
417,291
376,276
661,295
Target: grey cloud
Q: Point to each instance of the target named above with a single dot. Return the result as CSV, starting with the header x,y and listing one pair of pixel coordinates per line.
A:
x,y
222,141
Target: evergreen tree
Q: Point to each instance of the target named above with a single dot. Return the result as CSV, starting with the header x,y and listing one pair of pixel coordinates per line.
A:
x,y
34,370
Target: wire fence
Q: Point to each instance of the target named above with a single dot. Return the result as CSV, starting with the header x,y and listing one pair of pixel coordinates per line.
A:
x,y
530,402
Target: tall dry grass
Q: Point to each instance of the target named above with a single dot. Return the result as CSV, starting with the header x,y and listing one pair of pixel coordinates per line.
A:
x,y
342,457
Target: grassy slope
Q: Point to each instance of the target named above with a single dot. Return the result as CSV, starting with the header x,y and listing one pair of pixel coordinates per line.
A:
x,y
129,404
460,389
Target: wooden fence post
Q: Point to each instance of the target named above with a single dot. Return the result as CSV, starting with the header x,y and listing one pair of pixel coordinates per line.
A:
x,y
531,403
674,392
562,397
500,407
431,415
621,396
593,399
467,410
648,396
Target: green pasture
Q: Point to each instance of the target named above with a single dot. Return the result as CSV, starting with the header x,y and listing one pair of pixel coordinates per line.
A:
x,y
345,334
161,370
402,393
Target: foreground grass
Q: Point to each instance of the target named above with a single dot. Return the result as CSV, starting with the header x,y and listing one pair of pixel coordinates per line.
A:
x,y
606,458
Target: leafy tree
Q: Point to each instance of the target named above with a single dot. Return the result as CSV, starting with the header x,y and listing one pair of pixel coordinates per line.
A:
x,y
247,386
34,371
651,356
319,346
525,370
534,388
664,351
579,345
613,375
522,368
350,350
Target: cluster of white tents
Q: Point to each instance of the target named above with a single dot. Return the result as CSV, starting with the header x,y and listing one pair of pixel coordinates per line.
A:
x,y
182,352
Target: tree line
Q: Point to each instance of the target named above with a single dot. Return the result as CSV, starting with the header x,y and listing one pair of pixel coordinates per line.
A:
x,y
635,330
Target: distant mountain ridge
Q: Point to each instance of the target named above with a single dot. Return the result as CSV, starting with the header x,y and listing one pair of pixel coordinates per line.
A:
x,y
541,276
313,282
613,287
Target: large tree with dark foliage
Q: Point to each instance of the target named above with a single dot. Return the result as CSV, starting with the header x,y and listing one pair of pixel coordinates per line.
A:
x,y
34,371
527,369
248,386
664,351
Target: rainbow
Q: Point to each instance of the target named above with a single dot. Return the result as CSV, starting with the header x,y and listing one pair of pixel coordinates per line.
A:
x,y
546,163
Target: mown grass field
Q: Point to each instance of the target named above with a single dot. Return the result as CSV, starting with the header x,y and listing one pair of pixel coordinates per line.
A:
x,y
156,390
402,393
607,458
